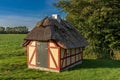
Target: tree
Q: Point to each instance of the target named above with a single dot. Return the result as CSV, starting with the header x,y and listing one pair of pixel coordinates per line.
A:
x,y
9,30
2,29
17,30
20,29
97,20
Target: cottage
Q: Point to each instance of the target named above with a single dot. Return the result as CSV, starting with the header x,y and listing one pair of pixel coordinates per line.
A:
x,y
54,45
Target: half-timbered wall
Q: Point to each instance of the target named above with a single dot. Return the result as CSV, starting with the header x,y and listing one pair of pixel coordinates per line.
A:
x,y
58,58
31,53
53,53
70,57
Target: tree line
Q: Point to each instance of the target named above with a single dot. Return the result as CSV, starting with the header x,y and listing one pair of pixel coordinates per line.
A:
x,y
98,21
14,30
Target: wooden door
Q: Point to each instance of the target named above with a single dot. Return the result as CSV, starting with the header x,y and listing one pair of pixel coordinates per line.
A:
x,y
42,54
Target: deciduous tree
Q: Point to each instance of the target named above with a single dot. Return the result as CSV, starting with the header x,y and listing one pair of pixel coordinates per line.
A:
x,y
97,20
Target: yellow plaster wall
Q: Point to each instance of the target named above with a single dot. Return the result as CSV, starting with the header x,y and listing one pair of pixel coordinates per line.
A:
x,y
52,44
63,63
68,61
34,60
73,59
77,50
77,57
62,52
73,51
54,52
80,56
68,52
30,53
33,43
52,65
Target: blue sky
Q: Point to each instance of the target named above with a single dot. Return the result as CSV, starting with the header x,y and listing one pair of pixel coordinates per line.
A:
x,y
25,12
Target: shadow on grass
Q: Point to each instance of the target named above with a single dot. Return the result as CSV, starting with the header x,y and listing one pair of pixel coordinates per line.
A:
x,y
97,63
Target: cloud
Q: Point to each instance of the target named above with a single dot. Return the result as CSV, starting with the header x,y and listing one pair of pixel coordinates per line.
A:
x,y
14,20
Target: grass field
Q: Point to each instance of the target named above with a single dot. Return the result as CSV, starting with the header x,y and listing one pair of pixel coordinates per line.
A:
x,y
13,65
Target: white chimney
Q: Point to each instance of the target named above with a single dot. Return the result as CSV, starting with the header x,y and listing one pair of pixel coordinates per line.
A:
x,y
57,17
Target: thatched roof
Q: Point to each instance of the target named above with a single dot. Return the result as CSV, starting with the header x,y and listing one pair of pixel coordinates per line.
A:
x,y
62,32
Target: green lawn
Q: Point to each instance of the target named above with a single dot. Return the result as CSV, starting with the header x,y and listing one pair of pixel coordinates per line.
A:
x,y
13,65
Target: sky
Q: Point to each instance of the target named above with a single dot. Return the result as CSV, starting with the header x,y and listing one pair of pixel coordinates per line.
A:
x,y
26,12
